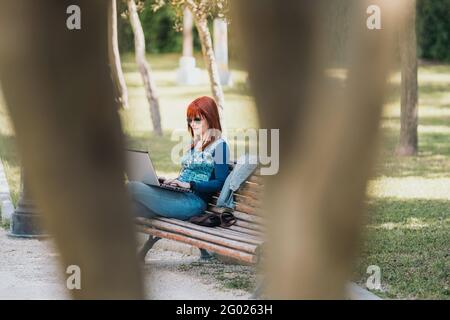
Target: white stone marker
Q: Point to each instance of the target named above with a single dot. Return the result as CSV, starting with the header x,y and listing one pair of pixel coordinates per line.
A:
x,y
187,73
221,50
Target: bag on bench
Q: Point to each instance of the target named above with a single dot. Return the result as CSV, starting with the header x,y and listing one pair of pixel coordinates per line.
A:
x,y
225,220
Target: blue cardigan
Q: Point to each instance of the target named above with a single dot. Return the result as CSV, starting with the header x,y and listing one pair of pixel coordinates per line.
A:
x,y
206,189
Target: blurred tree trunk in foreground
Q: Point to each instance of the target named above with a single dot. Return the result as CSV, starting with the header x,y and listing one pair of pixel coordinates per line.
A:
x,y
57,86
114,57
409,88
144,68
327,136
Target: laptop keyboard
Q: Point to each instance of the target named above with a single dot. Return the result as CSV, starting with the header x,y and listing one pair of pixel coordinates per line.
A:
x,y
175,188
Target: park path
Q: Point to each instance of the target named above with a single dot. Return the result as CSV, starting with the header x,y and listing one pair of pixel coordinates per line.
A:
x,y
29,270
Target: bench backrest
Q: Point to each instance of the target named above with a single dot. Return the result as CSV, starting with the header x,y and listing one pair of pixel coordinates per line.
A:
x,y
248,209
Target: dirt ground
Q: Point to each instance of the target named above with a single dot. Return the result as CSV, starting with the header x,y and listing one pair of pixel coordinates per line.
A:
x,y
29,270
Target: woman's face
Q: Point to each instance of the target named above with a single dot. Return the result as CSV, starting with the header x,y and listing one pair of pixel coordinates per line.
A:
x,y
199,125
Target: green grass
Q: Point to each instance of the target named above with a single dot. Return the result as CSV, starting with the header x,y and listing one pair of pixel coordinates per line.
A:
x,y
5,225
408,231
240,282
409,240
228,276
10,160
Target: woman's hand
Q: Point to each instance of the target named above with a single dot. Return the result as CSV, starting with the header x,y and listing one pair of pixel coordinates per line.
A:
x,y
168,181
180,184
162,179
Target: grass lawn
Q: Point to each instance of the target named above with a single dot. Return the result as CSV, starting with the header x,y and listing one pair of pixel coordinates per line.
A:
x,y
408,232
408,235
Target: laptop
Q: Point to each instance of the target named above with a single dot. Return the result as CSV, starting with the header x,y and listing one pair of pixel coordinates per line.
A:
x,y
139,167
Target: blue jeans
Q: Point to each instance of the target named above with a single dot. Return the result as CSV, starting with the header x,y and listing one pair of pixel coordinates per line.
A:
x,y
243,169
150,201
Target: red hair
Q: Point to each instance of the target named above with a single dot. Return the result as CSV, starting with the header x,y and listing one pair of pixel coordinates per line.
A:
x,y
204,107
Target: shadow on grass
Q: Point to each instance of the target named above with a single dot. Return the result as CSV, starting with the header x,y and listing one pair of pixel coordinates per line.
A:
x,y
409,240
442,121
432,161
428,92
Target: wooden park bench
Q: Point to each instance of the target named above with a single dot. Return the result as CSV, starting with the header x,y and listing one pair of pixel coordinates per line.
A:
x,y
241,242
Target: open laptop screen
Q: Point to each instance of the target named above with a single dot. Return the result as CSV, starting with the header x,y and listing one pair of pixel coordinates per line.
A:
x,y
139,167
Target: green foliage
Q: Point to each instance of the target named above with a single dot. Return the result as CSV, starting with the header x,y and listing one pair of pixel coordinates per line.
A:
x,y
432,22
205,8
160,33
161,22
433,29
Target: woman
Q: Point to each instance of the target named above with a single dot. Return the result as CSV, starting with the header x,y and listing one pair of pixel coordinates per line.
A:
x,y
204,169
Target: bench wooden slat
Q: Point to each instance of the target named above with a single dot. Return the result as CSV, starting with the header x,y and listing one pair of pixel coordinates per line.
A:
x,y
252,186
240,207
241,241
239,233
247,209
214,231
241,200
233,244
243,256
242,232
248,231
248,217
256,179
247,192
251,226
245,224
251,190
248,189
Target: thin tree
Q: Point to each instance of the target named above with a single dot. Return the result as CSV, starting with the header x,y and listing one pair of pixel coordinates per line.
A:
x,y
202,10
408,142
144,67
114,57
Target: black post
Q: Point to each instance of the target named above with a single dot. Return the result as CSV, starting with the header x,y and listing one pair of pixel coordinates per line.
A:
x,y
26,221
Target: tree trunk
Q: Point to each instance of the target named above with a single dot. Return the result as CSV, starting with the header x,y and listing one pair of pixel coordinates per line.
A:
x,y
408,142
314,205
57,87
201,22
114,57
144,68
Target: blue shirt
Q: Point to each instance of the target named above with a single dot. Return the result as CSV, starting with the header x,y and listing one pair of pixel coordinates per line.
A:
x,y
206,170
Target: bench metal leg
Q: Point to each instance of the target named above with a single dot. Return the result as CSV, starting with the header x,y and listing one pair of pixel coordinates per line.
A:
x,y
205,255
146,247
